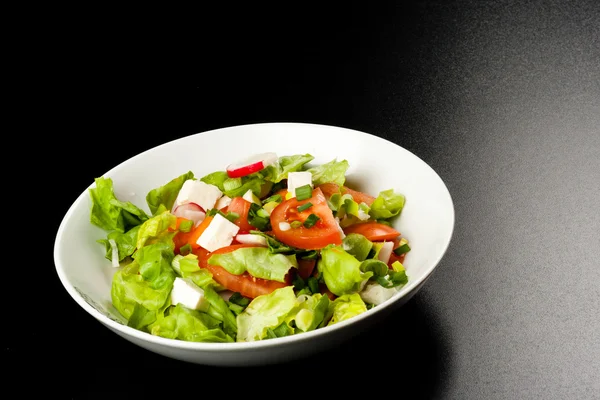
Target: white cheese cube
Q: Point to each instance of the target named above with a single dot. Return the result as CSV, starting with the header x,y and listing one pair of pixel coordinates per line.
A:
x,y
376,294
188,294
298,179
223,201
198,192
219,233
386,251
250,197
251,238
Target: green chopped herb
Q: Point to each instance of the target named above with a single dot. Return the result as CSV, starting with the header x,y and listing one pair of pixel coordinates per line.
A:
x,y
311,220
295,224
276,198
313,284
305,206
185,249
186,226
303,192
405,248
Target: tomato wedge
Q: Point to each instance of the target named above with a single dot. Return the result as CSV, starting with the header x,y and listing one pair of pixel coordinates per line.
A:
x,y
241,207
374,231
325,231
245,284
330,188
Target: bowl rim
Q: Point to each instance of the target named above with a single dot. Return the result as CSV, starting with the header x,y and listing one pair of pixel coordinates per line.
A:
x,y
407,290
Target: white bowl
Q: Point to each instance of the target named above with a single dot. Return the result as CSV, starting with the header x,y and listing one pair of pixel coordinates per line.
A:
x,y
376,164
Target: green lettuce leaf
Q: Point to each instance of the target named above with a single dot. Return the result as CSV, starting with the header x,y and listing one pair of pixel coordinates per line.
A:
x,y
147,281
388,204
333,171
111,214
346,307
265,312
156,230
341,271
285,164
126,243
258,261
187,267
190,325
311,311
166,195
253,182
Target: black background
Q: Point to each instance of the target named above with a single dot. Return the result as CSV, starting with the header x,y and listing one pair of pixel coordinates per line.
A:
x,y
501,98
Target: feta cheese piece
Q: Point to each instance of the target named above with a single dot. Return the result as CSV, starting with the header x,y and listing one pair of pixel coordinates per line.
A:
x,y
374,293
386,251
250,197
223,201
198,192
298,179
188,294
219,233
251,238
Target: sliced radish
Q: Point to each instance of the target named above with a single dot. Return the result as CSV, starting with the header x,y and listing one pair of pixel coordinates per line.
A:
x,y
250,238
386,251
251,165
191,211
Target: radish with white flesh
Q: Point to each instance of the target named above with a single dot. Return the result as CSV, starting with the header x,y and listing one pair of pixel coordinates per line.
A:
x,y
250,238
251,165
386,251
191,211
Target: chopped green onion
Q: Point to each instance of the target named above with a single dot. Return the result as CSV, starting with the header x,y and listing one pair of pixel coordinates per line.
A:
x,y
313,284
237,298
295,224
237,310
298,283
259,218
212,212
185,249
232,216
282,330
186,226
276,198
305,206
232,183
303,192
402,249
311,220
379,268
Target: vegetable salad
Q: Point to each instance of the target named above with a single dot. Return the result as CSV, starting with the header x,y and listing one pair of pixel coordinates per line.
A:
x,y
268,247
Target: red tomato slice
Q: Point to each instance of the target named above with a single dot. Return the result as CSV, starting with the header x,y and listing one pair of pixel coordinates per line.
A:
x,y
306,267
245,284
374,231
241,207
330,188
324,232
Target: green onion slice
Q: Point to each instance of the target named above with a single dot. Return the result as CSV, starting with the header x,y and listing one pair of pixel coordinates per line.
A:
x,y
311,220
276,198
305,206
186,226
405,248
303,192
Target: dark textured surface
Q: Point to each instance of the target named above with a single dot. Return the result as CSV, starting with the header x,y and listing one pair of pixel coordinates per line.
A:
x,y
501,98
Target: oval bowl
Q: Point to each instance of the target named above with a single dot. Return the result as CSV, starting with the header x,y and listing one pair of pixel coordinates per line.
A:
x,y
427,221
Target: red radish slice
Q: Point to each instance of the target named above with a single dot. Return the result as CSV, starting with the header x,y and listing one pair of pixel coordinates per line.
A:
x,y
251,165
190,211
